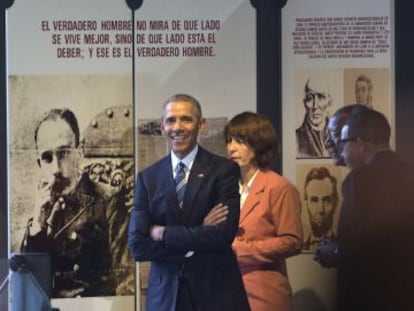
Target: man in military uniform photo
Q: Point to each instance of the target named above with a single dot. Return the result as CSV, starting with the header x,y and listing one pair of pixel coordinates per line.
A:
x,y
73,218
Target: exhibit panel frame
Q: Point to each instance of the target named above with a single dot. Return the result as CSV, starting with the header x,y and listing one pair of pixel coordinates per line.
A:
x,y
329,46
111,69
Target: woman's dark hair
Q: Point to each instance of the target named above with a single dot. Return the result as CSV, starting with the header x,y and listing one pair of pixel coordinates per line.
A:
x,y
256,131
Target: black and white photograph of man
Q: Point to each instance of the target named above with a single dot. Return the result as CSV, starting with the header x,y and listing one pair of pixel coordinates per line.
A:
x,y
320,191
315,96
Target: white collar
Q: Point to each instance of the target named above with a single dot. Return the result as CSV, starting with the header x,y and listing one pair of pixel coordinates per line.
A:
x,y
249,183
188,160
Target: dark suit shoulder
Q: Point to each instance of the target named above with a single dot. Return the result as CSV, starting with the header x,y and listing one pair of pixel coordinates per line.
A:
x,y
207,158
155,167
381,164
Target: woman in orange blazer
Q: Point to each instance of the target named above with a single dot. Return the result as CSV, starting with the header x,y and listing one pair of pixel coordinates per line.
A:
x,y
270,227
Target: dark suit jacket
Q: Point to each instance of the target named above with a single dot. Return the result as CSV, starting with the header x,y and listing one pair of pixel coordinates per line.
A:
x,y
212,272
376,232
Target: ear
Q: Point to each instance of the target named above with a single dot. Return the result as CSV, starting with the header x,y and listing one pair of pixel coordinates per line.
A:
x,y
162,126
202,125
328,108
81,148
367,147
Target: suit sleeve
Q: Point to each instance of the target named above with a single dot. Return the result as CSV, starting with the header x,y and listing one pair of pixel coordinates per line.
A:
x,y
354,223
343,224
285,210
142,247
223,188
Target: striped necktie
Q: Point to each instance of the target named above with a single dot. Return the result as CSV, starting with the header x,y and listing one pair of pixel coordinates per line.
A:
x,y
180,182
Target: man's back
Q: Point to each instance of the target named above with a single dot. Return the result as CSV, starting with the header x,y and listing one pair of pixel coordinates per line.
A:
x,y
376,232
